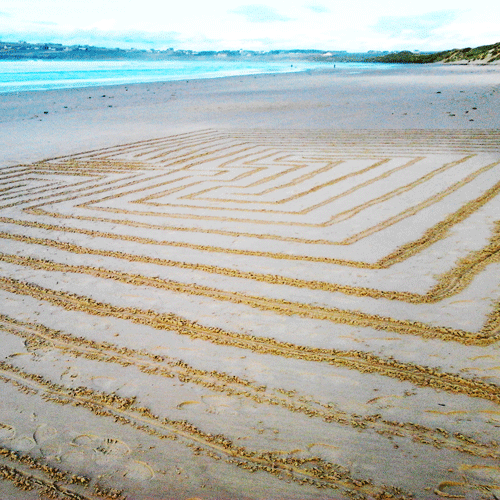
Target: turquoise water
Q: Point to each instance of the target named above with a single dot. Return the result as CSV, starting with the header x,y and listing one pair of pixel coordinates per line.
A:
x,y
16,76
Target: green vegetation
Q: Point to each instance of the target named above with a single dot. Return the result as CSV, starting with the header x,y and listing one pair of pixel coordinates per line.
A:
x,y
485,53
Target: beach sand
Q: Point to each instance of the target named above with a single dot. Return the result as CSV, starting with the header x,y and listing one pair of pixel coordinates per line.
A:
x,y
262,287
408,97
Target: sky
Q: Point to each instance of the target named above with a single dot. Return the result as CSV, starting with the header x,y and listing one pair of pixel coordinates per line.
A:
x,y
351,25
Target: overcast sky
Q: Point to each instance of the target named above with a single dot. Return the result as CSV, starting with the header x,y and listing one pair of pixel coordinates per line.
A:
x,y
352,25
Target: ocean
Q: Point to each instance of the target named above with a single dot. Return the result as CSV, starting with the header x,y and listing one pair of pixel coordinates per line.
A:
x,y
18,76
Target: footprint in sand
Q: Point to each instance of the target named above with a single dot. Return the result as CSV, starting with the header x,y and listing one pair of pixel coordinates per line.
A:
x,y
7,432
51,450
106,384
139,471
43,433
111,450
87,441
476,477
110,453
451,489
104,451
22,443
70,375
44,436
75,458
220,405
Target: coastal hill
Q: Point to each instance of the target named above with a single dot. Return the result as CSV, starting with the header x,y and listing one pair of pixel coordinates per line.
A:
x,y
485,54
56,51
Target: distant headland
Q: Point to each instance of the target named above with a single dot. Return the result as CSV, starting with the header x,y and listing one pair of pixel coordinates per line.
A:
x,y
55,51
485,54
51,51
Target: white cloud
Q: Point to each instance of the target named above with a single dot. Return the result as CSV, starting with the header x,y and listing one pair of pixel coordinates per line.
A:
x,y
235,24
318,9
259,14
103,24
416,26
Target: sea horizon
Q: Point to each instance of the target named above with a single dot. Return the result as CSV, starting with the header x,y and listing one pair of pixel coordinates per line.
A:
x,y
38,75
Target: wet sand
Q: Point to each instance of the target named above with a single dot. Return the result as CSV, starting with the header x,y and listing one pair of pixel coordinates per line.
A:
x,y
272,287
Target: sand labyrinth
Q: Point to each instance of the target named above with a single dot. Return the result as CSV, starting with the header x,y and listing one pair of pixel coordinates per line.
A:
x,y
228,314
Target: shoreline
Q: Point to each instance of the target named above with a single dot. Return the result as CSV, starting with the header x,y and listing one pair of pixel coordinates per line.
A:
x,y
338,71
281,68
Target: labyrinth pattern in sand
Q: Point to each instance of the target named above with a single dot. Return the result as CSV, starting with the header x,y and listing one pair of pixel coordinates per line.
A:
x,y
320,309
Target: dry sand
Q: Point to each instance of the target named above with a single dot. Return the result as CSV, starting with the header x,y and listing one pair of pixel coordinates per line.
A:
x,y
272,287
